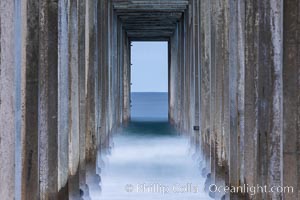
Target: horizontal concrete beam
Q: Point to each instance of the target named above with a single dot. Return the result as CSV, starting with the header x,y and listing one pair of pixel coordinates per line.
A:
x,y
150,6
139,34
149,39
161,14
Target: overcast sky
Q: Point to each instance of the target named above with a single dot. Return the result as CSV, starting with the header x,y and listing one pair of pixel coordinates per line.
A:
x,y
149,72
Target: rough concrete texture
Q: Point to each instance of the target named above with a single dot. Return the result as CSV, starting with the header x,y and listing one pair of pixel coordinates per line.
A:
x,y
90,81
82,92
73,89
29,138
48,99
65,67
7,100
291,98
242,92
63,94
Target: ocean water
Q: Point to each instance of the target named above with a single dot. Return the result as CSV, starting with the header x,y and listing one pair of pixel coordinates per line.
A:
x,y
149,159
149,106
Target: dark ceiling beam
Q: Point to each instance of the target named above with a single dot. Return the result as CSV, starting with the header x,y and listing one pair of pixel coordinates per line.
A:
x,y
160,38
141,28
154,20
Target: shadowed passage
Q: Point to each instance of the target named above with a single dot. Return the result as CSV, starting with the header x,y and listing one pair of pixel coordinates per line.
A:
x,y
149,159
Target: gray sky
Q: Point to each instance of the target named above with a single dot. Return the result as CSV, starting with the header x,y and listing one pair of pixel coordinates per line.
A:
x,y
149,71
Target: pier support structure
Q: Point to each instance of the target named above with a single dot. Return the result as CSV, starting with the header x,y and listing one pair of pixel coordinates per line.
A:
x,y
234,82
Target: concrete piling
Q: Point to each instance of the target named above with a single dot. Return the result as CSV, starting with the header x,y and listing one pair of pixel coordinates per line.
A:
x,y
82,93
65,88
7,100
291,99
48,99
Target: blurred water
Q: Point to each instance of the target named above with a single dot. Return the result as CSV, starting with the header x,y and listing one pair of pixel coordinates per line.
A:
x,y
149,160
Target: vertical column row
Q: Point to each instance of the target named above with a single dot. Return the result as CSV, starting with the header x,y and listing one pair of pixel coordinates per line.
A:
x,y
247,98
63,91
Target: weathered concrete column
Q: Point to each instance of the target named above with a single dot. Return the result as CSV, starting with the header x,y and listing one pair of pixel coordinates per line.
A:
x,y
251,93
189,72
29,97
7,99
197,73
74,105
73,89
192,76
234,76
91,63
205,32
220,12
82,93
63,98
291,98
275,150
48,100
173,77
100,8
126,78
120,84
177,75
105,73
186,73
212,153
90,81
235,91
270,96
114,72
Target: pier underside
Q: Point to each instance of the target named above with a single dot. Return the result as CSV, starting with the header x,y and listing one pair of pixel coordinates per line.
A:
x,y
234,82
